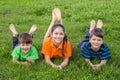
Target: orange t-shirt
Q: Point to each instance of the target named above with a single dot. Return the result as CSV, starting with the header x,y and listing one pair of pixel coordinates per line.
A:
x,y
50,50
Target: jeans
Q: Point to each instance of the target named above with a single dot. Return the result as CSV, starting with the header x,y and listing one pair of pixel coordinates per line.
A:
x,y
15,41
85,39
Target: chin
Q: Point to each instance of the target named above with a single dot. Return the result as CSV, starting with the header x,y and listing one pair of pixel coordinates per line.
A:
x,y
25,51
57,42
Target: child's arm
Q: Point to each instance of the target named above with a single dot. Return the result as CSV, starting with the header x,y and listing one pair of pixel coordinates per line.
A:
x,y
28,59
20,62
102,62
88,61
48,60
64,63
16,61
97,66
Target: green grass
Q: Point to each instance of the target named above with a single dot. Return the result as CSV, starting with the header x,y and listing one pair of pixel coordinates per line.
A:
x,y
76,15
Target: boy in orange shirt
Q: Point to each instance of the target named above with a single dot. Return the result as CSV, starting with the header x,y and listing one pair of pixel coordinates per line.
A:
x,y
55,43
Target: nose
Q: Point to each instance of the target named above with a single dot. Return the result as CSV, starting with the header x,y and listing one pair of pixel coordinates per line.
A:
x,y
25,46
95,41
58,35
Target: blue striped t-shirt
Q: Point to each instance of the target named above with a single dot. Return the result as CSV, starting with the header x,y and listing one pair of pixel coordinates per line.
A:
x,y
102,53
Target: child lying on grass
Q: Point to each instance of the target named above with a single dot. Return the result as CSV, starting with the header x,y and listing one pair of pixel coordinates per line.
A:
x,y
92,45
24,52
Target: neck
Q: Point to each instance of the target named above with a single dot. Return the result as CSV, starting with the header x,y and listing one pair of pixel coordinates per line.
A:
x,y
95,49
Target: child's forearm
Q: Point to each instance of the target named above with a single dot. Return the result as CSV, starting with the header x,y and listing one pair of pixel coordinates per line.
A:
x,y
16,61
89,62
29,60
64,63
102,62
19,62
47,59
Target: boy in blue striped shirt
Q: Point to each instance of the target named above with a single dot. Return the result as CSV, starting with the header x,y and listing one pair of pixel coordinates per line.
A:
x,y
92,45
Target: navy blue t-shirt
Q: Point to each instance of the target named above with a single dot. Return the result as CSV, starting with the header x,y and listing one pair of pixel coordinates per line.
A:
x,y
103,53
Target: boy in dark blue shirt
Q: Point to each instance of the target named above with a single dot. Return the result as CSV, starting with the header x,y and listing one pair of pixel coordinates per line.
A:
x,y
92,45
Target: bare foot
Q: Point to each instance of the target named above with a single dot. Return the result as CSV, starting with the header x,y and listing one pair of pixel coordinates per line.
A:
x,y
92,25
57,13
13,30
99,24
33,29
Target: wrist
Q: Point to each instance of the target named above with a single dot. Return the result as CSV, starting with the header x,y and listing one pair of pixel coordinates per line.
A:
x,y
91,64
60,67
53,65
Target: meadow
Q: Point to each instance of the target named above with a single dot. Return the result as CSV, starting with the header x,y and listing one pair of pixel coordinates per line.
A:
x,y
76,15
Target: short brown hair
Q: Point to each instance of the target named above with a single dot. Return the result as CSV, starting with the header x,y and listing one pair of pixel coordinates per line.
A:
x,y
25,38
97,32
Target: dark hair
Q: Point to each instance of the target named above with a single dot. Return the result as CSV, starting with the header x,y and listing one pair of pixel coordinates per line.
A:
x,y
65,37
57,25
25,38
97,32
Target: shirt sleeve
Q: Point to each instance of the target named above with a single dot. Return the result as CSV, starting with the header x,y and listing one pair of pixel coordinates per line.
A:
x,y
46,48
34,54
15,53
85,52
106,53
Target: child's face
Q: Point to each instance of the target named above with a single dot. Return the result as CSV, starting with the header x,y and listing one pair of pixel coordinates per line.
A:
x,y
96,42
58,35
25,47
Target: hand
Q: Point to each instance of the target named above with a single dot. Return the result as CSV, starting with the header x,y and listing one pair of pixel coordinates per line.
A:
x,y
60,67
55,66
29,60
25,63
96,67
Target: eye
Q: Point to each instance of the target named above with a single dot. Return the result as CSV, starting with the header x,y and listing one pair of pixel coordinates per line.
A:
x,y
22,44
93,39
99,40
61,34
56,33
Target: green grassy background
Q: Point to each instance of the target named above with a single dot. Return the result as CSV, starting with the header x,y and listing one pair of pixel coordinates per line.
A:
x,y
76,15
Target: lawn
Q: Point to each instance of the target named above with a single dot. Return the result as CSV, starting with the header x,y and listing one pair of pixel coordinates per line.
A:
x,y
76,15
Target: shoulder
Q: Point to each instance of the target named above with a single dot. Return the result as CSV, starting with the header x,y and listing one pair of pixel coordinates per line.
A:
x,y
68,41
48,40
17,48
33,47
87,44
104,46
86,47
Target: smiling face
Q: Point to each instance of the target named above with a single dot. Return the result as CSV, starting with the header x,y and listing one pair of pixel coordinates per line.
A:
x,y
25,42
25,47
58,35
96,42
